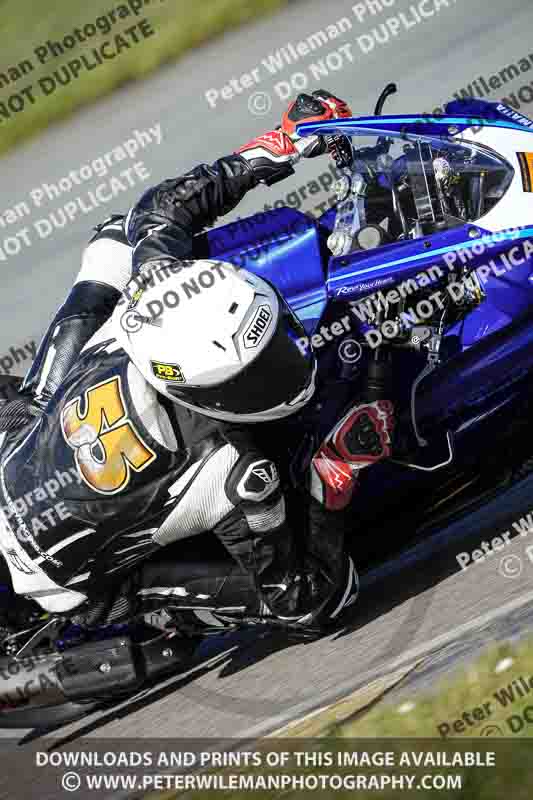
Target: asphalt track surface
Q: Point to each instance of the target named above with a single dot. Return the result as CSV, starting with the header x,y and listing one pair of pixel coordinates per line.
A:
x,y
421,605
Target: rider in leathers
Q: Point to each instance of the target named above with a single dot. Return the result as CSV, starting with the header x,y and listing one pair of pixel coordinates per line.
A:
x,y
269,574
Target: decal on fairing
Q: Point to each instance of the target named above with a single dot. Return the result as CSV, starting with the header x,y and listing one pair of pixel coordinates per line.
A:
x,y
526,169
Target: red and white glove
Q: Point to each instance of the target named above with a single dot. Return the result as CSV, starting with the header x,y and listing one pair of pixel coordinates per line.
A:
x,y
319,106
362,437
272,155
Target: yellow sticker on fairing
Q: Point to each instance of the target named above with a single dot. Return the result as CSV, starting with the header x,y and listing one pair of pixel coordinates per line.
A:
x,y
526,168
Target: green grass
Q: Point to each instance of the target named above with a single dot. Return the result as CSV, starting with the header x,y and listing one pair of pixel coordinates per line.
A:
x,y
371,715
470,688
179,26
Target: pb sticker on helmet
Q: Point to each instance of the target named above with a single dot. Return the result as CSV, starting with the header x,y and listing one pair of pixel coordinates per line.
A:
x,y
259,325
167,372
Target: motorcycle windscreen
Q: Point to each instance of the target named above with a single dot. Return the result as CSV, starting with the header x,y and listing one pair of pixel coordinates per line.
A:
x,y
440,180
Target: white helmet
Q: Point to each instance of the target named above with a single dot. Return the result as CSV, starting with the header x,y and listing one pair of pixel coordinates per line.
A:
x,y
217,339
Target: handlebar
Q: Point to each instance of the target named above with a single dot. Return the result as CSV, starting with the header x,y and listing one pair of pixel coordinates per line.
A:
x,y
340,146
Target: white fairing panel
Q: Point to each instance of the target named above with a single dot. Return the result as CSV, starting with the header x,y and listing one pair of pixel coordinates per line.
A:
x,y
515,209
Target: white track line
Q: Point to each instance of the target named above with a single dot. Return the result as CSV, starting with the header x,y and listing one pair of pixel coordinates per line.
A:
x,y
414,654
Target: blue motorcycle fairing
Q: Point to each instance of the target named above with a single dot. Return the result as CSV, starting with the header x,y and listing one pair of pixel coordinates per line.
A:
x,y
399,260
482,109
321,288
509,292
284,247
409,126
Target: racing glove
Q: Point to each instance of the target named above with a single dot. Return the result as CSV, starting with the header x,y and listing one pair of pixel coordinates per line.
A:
x,y
362,437
319,106
272,155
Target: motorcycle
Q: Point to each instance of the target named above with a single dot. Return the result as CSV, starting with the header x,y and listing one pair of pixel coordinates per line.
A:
x,y
416,286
